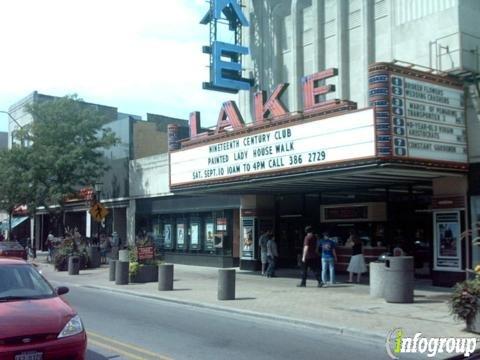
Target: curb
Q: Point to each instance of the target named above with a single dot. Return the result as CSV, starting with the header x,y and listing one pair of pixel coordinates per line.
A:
x,y
361,334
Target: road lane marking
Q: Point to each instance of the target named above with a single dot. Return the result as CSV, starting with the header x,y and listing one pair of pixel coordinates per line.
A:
x,y
128,346
115,350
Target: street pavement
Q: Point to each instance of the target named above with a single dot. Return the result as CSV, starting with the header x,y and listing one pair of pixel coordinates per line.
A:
x,y
128,327
343,308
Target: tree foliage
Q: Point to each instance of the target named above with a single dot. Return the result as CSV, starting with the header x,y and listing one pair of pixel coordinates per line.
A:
x,y
65,153
15,188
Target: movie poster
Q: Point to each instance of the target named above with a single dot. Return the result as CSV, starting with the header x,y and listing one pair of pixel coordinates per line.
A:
x,y
447,241
209,236
167,236
180,235
194,236
248,243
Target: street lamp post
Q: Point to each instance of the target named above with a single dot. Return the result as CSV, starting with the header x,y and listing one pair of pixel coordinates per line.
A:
x,y
11,117
98,192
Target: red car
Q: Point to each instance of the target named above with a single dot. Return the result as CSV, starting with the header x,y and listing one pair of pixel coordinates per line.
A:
x,y
36,323
12,249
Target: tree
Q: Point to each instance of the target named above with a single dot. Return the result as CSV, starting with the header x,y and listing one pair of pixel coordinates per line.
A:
x,y
15,188
67,139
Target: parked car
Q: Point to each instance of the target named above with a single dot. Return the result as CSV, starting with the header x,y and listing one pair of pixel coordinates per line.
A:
x,y
36,323
12,249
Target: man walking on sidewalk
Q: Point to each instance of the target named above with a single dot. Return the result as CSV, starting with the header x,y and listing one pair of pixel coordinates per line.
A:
x,y
309,257
272,254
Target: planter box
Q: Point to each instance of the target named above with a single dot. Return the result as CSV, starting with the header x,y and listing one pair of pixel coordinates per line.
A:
x,y
145,274
473,325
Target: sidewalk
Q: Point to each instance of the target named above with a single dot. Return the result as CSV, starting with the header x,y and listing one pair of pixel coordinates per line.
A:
x,y
344,308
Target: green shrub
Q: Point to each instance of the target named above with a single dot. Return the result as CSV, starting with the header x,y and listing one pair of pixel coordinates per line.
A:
x,y
463,303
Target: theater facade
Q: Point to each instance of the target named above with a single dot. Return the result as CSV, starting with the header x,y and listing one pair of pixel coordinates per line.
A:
x,y
395,171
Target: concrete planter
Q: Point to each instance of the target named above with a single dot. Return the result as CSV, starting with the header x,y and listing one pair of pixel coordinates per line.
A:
x,y
145,274
473,324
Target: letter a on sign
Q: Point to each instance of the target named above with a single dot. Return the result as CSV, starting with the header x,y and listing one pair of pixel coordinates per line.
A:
x,y
231,9
229,116
273,107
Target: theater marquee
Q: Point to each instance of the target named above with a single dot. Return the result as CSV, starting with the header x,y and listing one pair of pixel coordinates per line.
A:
x,y
419,116
341,138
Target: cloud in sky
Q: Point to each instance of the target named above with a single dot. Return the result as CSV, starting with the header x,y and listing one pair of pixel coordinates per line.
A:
x,y
140,56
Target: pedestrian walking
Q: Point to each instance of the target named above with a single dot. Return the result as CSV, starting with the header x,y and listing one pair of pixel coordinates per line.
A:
x,y
272,255
50,245
263,249
357,261
309,257
329,258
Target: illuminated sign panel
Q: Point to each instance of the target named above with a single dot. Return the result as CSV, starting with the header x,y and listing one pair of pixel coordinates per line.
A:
x,y
346,137
416,118
225,58
428,120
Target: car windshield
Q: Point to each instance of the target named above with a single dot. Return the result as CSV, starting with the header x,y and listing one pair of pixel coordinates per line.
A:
x,y
10,246
18,281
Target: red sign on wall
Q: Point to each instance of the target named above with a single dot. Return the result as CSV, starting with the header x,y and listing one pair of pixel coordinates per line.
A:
x,y
145,253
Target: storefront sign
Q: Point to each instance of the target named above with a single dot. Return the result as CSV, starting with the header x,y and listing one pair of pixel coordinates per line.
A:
x,y
346,213
416,118
221,224
345,137
372,211
225,58
447,241
145,253
428,120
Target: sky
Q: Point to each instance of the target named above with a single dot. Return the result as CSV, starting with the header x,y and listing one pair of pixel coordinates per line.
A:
x,y
139,56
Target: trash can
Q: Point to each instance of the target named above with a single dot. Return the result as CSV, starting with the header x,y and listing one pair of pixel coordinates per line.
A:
x,y
399,279
377,278
93,253
73,265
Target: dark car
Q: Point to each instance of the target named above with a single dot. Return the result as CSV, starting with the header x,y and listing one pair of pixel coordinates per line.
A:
x,y
36,323
12,249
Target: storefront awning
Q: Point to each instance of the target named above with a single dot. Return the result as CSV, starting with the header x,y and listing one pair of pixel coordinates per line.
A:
x,y
15,222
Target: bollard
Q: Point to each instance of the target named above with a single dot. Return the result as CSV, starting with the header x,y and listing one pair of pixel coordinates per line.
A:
x,y
165,277
111,274
226,284
121,272
73,265
377,278
123,255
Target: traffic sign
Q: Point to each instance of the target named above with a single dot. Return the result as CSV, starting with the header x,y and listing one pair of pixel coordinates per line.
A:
x,y
98,212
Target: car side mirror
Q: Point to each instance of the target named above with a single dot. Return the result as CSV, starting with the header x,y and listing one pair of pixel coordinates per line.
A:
x,y
62,290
